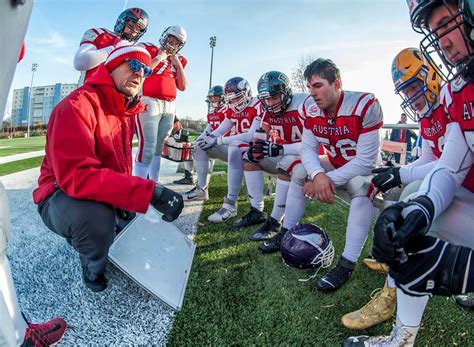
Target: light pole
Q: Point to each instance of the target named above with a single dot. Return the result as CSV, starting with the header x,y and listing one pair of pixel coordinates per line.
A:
x,y
212,44
34,67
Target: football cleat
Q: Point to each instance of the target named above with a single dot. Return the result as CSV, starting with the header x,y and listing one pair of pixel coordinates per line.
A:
x,y
267,231
379,309
186,180
196,194
374,265
227,211
273,245
336,277
253,217
466,301
401,336
44,334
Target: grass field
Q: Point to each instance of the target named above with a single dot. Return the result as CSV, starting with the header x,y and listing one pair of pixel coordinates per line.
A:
x,y
238,296
21,145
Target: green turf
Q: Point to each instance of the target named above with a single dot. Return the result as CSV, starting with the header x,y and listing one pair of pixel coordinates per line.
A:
x,y
237,296
20,165
21,145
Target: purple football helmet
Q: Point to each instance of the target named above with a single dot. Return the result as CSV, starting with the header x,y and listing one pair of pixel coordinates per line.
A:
x,y
238,93
307,246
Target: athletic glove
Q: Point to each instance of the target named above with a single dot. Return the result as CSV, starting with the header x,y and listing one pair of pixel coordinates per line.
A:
x,y
386,178
207,142
261,149
167,202
397,224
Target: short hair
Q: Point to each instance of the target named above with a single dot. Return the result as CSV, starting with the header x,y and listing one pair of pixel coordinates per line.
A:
x,y
324,68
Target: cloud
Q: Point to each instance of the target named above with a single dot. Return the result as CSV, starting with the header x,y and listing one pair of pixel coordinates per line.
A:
x,y
63,60
53,40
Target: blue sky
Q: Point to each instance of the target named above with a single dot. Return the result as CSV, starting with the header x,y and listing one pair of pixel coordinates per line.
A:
x,y
253,37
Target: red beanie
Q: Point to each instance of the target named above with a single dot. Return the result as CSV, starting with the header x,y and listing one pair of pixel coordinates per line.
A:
x,y
118,56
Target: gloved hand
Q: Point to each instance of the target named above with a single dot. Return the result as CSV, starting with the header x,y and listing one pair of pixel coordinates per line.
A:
x,y
207,142
167,202
261,149
386,178
397,224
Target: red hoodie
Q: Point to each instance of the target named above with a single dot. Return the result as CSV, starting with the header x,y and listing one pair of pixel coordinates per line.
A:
x,y
89,148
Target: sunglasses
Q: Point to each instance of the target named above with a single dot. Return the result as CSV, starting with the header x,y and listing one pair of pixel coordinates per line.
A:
x,y
136,65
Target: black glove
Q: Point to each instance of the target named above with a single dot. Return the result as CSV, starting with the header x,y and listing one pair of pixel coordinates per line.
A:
x,y
386,178
261,149
167,202
399,223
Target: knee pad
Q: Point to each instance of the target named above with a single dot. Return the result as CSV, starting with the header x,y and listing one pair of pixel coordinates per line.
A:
x,y
358,186
434,267
4,220
299,174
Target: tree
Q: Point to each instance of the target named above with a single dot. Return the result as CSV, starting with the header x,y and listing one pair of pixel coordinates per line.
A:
x,y
298,81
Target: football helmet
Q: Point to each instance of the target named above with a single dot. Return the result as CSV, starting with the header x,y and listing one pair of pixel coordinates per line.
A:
x,y
271,84
238,93
415,79
135,15
463,20
216,91
171,45
307,246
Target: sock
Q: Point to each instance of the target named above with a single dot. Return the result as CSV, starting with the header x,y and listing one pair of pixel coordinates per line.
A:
x,y
254,181
188,165
281,193
201,170
155,168
410,309
390,282
297,201
358,226
140,169
235,172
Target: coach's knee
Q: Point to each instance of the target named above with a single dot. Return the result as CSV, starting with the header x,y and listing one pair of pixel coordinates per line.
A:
x,y
358,186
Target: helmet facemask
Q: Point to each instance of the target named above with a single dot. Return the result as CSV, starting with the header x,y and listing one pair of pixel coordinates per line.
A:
x,y
132,24
238,102
277,109
173,39
408,104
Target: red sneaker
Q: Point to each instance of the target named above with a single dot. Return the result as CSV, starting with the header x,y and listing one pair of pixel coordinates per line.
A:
x,y
44,334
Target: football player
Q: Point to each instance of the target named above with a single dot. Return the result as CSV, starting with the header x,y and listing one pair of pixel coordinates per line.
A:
x,y
347,124
419,85
215,116
277,152
97,43
154,125
242,108
421,265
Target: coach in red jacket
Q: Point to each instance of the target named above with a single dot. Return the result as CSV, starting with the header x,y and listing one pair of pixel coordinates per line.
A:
x,y
86,174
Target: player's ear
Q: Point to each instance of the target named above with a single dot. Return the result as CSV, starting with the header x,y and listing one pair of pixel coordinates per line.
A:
x,y
337,84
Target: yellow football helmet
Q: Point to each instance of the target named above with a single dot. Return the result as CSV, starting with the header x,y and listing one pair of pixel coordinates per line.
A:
x,y
416,82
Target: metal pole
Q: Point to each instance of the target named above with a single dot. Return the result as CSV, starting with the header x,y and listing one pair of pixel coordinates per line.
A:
x,y
212,44
34,67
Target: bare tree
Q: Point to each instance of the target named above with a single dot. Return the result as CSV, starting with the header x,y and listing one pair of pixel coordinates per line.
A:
x,y
298,81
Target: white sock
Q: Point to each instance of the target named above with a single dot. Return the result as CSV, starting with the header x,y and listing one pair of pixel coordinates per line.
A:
x,y
390,282
234,182
188,165
281,193
155,168
140,169
254,181
201,169
297,201
410,309
358,226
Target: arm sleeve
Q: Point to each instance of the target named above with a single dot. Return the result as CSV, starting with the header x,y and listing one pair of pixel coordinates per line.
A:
x,y
223,128
79,172
447,176
243,137
88,56
418,169
292,148
309,153
368,147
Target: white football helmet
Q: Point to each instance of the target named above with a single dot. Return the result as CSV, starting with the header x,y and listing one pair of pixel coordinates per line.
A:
x,y
173,39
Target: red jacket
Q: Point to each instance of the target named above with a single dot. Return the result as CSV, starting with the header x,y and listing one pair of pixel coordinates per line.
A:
x,y
89,148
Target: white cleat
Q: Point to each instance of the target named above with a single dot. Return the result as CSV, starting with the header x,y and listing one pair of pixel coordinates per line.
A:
x,y
196,194
227,211
401,336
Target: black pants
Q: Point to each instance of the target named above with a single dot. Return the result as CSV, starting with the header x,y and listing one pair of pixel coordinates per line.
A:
x,y
89,225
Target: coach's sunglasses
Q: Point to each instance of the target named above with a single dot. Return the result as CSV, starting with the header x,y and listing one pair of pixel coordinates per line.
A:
x,y
135,65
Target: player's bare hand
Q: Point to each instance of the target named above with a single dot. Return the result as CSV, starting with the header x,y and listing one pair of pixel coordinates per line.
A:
x,y
308,190
324,188
175,61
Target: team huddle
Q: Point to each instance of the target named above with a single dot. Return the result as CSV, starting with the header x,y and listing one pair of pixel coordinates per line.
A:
x,y
320,144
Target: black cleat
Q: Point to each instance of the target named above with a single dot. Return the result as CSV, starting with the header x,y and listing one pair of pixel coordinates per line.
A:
x,y
97,285
273,245
267,231
336,277
466,301
186,180
253,217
